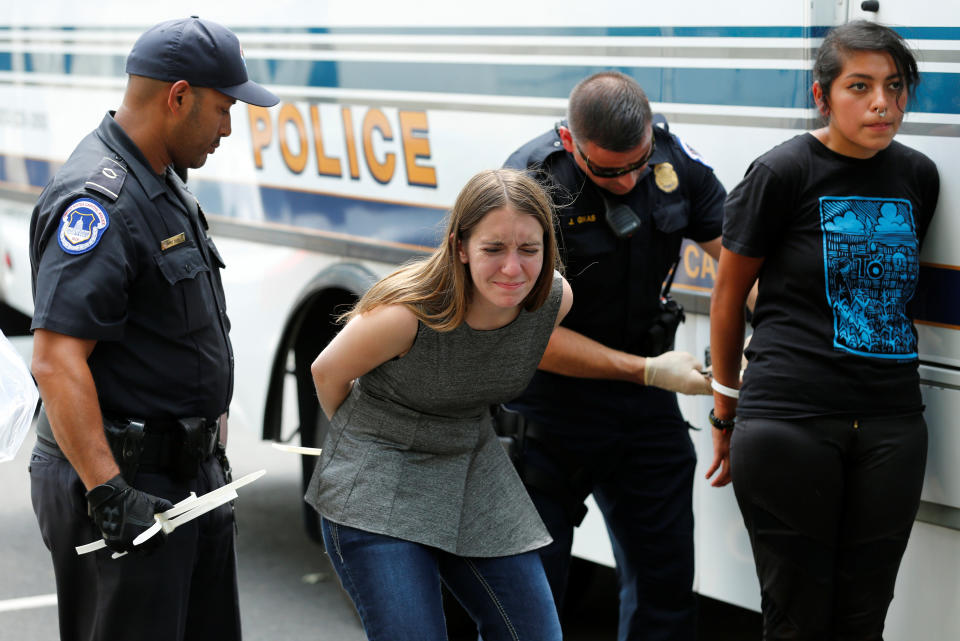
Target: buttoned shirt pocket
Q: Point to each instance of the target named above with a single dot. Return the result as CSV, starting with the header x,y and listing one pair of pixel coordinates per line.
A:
x,y
585,240
215,253
671,216
186,272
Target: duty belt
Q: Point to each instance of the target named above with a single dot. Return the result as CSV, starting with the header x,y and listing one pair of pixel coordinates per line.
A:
x,y
151,445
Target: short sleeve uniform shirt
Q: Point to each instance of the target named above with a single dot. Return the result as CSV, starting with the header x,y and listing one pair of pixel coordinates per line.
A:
x,y
617,282
120,255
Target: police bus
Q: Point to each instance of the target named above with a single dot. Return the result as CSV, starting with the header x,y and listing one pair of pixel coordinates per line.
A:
x,y
387,108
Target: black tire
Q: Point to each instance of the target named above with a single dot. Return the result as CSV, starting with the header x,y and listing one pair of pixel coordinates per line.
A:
x,y
313,426
311,437
317,327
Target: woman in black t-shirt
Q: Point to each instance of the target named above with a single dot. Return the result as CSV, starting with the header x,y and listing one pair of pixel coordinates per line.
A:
x,y
828,454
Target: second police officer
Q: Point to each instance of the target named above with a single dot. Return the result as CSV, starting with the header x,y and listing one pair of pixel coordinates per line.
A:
x,y
601,412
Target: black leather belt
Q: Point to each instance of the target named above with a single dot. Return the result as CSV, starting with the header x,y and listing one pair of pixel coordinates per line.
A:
x,y
161,441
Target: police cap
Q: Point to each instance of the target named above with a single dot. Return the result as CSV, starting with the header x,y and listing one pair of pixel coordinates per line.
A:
x,y
202,52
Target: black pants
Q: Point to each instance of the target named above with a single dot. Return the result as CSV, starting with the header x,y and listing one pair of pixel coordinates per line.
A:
x,y
643,485
187,589
829,504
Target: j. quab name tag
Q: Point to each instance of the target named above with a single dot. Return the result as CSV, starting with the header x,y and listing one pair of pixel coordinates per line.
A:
x,y
173,241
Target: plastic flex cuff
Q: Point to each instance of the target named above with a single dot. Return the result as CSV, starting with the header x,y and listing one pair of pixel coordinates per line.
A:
x,y
186,510
723,389
297,449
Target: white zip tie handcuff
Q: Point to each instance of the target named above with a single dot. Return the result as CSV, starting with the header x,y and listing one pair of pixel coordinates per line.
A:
x,y
297,449
186,510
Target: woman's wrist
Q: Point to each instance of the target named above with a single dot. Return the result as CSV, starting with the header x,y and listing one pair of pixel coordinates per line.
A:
x,y
723,424
724,407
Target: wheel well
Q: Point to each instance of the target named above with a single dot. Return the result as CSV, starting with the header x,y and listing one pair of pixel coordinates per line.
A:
x,y
308,331
318,320
317,327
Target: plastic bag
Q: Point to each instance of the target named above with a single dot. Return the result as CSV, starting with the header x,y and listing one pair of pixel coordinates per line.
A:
x,y
18,400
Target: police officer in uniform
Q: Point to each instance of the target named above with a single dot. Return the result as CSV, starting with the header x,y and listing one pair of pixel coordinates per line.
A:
x,y
602,412
132,353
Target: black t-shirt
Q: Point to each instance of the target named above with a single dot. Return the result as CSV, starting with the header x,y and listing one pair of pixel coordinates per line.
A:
x,y
841,241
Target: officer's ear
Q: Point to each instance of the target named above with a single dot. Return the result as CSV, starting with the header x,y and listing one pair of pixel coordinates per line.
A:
x,y
565,137
177,96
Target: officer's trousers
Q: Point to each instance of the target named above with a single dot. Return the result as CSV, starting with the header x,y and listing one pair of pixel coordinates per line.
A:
x,y
829,504
643,485
186,590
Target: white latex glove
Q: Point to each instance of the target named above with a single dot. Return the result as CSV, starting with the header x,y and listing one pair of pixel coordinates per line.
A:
x,y
676,372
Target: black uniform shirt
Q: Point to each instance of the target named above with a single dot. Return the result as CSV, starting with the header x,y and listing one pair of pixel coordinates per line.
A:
x,y
121,255
617,282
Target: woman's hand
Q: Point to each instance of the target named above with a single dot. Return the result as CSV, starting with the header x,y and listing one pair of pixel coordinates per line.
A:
x,y
721,458
366,342
736,277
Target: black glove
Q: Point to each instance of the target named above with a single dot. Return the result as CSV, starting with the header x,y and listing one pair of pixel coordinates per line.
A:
x,y
122,513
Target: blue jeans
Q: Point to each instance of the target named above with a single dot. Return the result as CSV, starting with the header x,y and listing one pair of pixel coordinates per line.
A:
x,y
395,585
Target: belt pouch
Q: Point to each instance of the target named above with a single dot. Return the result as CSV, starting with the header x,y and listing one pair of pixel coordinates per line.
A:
x,y
511,427
659,336
126,442
199,440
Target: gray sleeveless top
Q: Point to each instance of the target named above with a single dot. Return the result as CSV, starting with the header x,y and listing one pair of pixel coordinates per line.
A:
x,y
411,452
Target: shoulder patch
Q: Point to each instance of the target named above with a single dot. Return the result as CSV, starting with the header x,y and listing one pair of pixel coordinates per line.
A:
x,y
108,178
82,225
693,153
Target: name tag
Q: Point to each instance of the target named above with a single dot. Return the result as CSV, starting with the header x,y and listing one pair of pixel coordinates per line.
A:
x,y
173,241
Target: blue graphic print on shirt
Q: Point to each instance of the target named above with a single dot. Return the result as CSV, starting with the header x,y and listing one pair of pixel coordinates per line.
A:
x,y
871,262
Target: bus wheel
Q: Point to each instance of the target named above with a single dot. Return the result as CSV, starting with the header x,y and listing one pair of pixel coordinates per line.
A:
x,y
311,438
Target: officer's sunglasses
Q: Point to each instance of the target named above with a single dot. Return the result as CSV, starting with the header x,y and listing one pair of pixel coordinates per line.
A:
x,y
616,172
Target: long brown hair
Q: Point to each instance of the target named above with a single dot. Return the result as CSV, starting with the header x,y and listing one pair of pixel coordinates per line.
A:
x,y
438,288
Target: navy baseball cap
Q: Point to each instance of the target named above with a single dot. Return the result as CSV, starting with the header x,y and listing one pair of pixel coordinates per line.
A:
x,y
203,53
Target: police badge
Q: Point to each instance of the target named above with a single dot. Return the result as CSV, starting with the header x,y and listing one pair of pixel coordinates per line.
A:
x,y
82,225
666,177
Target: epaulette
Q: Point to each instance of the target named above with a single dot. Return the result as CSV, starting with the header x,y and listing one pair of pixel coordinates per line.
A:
x,y
536,151
108,178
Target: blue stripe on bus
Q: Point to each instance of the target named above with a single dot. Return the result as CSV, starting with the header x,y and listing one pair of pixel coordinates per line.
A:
x,y
773,31
753,87
936,300
39,172
770,31
784,31
937,93
376,220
